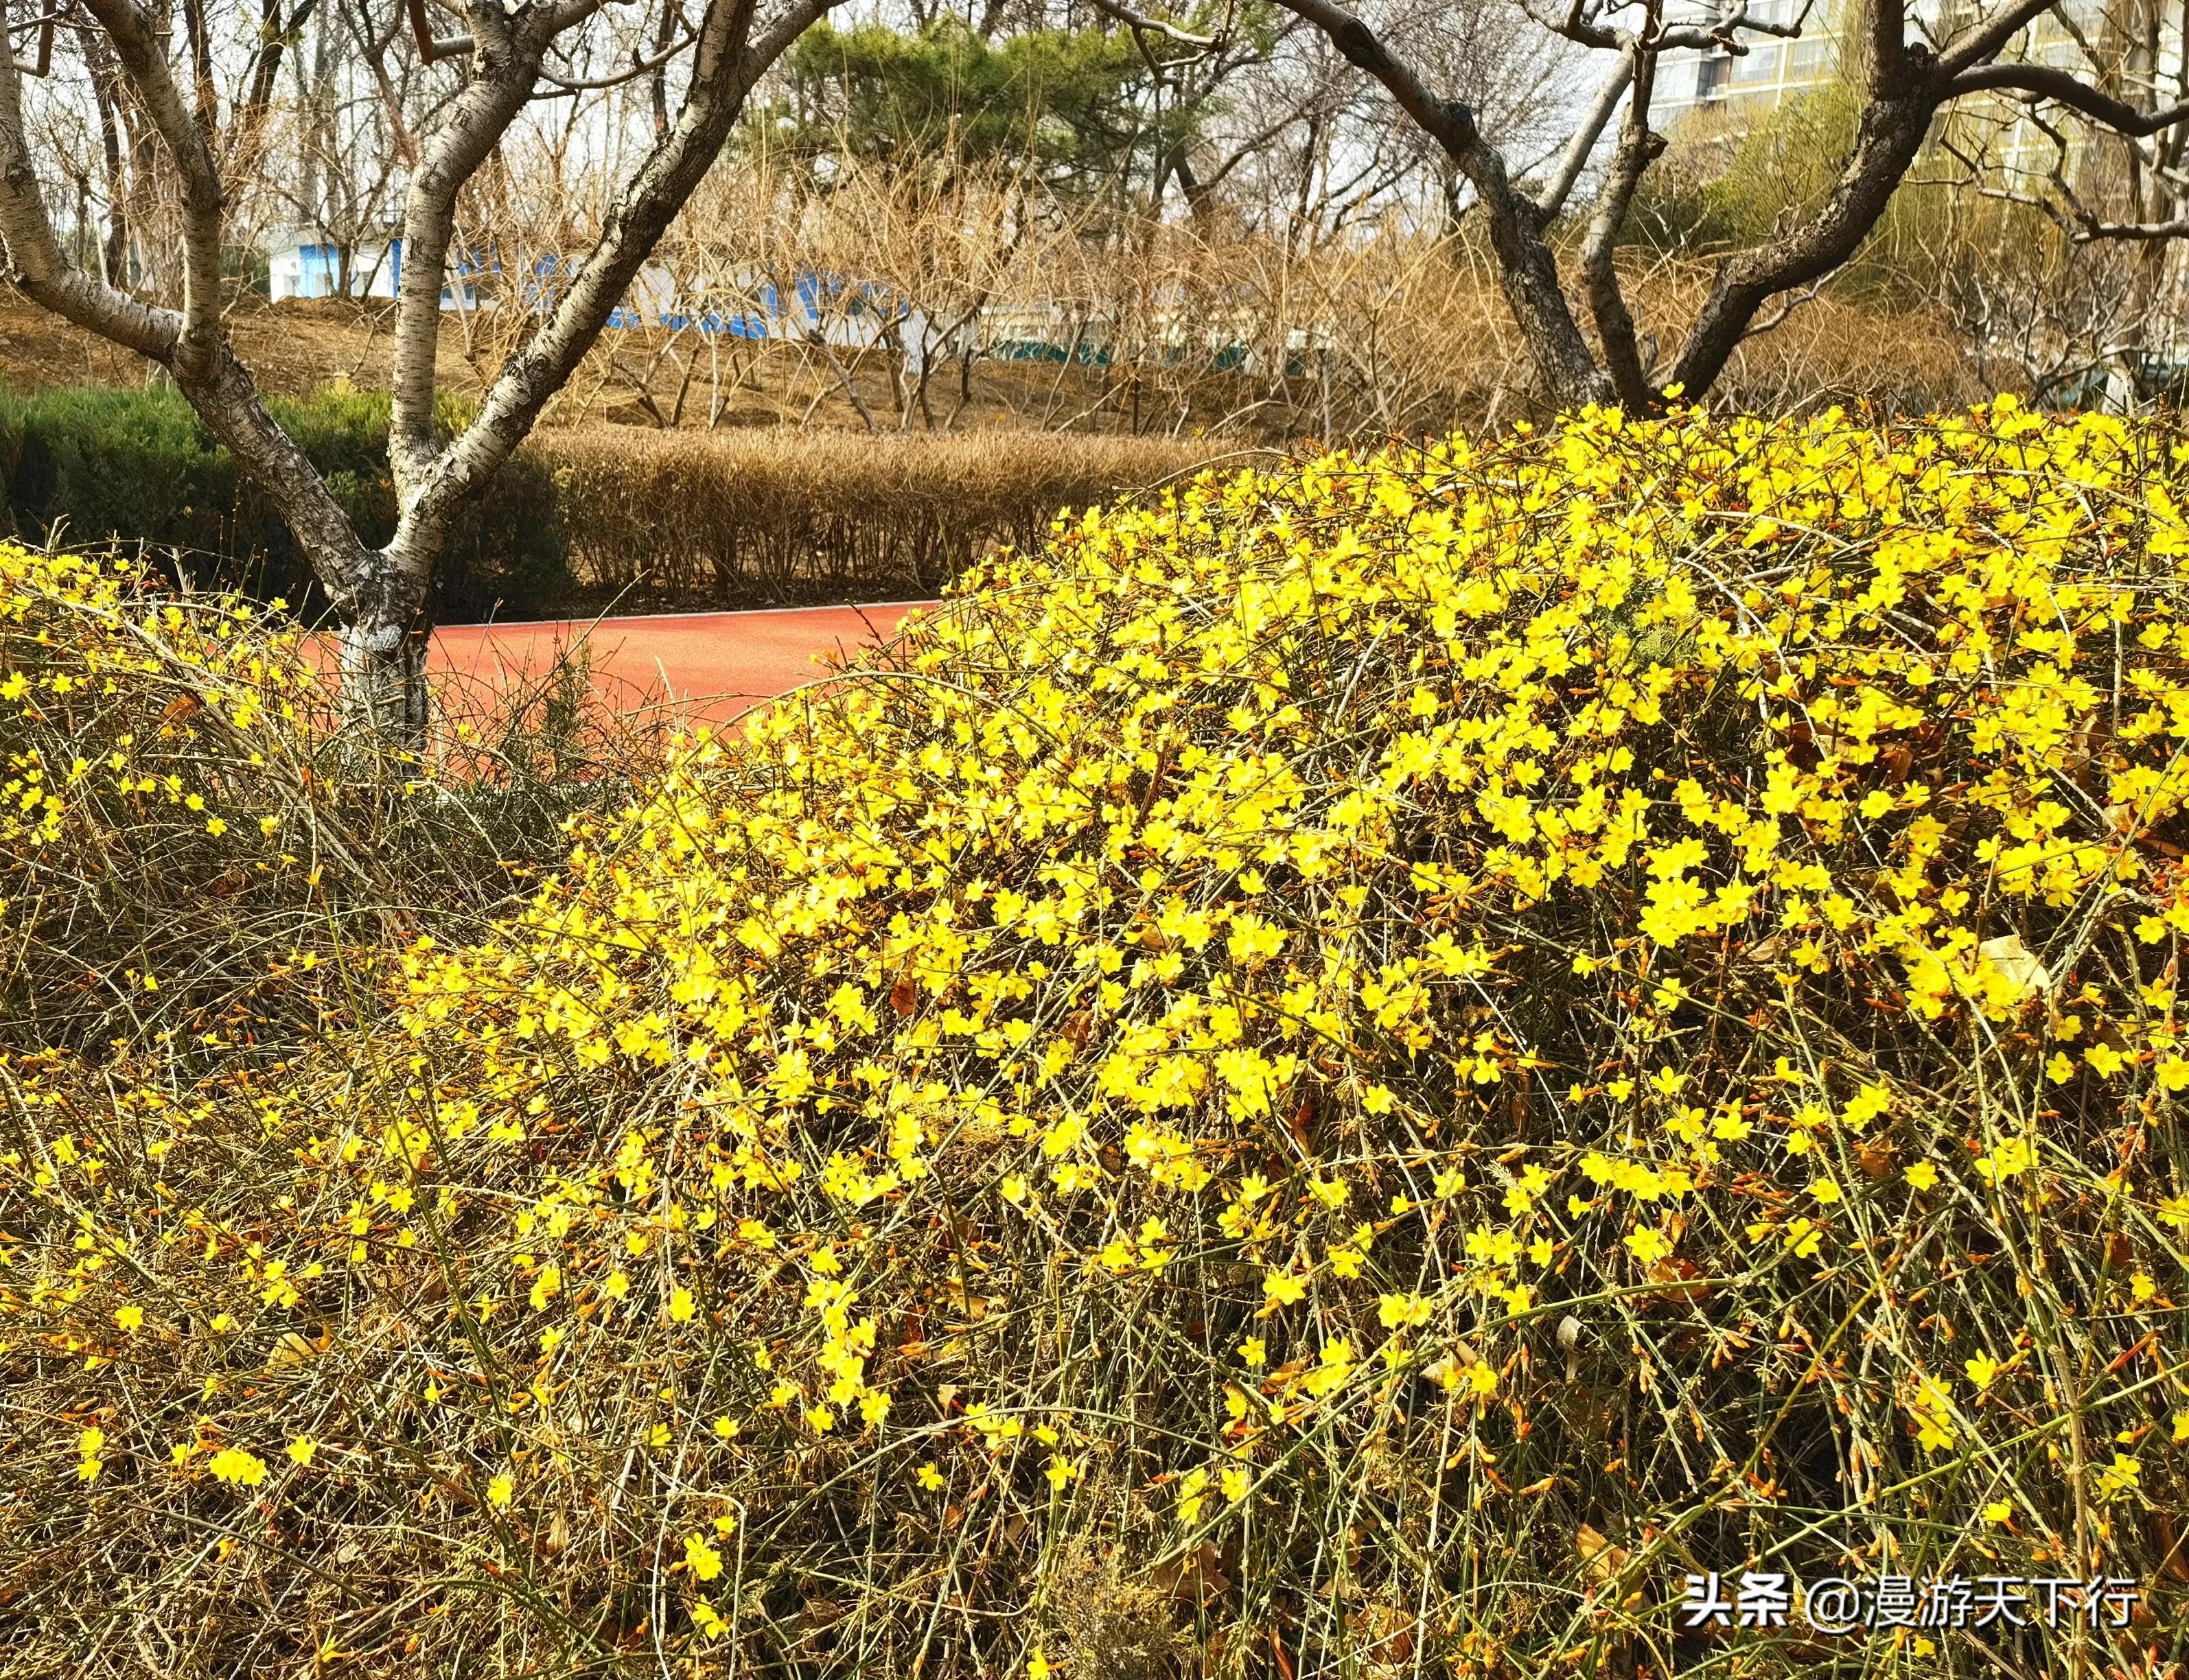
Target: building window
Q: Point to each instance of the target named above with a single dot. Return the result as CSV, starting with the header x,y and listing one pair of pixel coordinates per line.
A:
x,y
1810,61
1710,80
1760,65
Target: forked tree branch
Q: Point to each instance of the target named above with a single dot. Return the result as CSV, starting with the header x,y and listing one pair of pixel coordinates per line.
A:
x,y
144,60
43,64
205,369
432,48
36,264
1527,268
726,65
1902,94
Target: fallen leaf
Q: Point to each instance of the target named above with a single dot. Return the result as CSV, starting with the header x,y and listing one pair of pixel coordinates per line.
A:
x,y
2012,960
290,1350
1601,1561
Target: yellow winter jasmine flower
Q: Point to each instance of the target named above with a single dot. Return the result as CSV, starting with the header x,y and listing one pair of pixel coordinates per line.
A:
x,y
232,1464
704,1561
2121,1477
1400,1312
1932,1409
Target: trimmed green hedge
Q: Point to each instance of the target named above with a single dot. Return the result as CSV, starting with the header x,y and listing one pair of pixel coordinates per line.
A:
x,y
90,463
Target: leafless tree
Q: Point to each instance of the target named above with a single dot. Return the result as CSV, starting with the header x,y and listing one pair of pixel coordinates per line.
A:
x,y
1906,80
504,55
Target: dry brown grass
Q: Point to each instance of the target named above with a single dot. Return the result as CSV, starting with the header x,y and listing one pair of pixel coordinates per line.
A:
x,y
1826,350
783,514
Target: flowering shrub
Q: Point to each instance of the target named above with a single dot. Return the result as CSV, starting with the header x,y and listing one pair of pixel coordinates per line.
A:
x,y
189,846
1360,1068
155,797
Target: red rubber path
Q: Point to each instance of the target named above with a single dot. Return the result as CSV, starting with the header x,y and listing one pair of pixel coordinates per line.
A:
x,y
718,664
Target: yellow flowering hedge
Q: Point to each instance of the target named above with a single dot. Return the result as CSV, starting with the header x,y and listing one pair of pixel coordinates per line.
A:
x,y
155,797
186,836
1356,1070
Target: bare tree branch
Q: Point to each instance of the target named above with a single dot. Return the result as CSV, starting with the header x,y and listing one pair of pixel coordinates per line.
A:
x,y
1636,150
1139,23
1586,132
639,67
1989,37
1447,121
433,48
507,65
2047,82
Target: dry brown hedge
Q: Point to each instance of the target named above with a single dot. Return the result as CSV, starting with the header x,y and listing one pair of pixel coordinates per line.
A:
x,y
730,517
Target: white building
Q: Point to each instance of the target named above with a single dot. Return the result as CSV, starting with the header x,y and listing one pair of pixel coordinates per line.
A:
x,y
1736,89
298,265
303,262
1742,87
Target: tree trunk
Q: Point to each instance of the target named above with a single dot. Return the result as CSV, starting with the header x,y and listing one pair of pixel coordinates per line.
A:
x,y
1527,269
380,593
1528,275
1891,133
1637,147
384,660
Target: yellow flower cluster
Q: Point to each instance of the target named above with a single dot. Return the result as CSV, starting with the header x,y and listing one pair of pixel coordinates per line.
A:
x,y
1582,969
148,783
